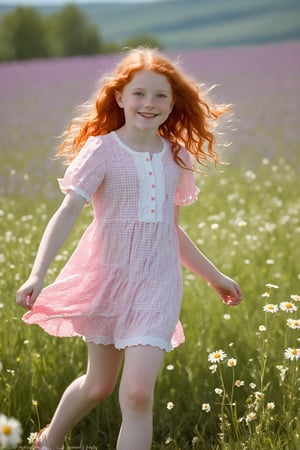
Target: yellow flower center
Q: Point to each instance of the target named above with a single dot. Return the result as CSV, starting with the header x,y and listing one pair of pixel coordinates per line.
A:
x,y
288,305
217,355
6,429
294,351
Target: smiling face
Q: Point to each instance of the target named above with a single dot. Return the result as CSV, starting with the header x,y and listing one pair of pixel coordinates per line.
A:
x,y
146,100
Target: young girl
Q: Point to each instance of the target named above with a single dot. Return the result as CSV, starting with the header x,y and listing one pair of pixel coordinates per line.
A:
x,y
130,151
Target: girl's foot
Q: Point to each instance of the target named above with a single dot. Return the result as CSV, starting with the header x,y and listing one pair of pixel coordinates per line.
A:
x,y
41,437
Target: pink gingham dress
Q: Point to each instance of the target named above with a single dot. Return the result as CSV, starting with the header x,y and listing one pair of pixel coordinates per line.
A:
x,y
123,283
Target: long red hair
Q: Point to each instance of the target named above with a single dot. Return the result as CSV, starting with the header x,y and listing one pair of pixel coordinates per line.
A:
x,y
190,123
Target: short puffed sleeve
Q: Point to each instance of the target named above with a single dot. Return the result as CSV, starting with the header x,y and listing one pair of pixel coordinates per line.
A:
x,y
86,172
187,190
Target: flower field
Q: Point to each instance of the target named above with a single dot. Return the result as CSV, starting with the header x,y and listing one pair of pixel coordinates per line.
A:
x,y
235,382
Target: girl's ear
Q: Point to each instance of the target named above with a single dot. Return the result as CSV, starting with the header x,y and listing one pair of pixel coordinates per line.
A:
x,y
118,97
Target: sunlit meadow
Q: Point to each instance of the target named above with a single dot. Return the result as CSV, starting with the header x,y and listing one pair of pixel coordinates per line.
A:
x,y
234,384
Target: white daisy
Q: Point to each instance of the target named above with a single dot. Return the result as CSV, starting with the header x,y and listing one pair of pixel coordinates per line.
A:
x,y
232,362
10,431
170,405
270,405
250,417
219,391
295,297
288,307
239,383
259,395
32,437
270,307
292,353
217,356
294,324
206,407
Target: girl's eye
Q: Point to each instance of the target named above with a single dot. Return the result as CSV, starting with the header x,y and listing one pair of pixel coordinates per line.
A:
x,y
138,93
162,95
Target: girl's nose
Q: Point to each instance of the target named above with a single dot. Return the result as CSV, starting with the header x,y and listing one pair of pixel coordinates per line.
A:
x,y
149,101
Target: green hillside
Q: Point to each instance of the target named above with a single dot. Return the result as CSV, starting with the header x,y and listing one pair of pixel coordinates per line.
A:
x,y
196,23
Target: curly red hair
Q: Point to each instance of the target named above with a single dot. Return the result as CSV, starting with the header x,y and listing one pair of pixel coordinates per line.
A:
x,y
189,124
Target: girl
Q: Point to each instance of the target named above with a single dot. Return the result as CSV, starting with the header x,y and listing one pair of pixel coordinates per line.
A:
x,y
122,288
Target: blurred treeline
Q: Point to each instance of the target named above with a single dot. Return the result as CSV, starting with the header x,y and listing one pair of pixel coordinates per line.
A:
x,y
26,34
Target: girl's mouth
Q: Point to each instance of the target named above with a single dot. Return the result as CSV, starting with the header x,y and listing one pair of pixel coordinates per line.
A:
x,y
148,115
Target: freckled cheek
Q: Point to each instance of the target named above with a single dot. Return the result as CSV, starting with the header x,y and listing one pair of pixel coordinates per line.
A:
x,y
133,108
136,106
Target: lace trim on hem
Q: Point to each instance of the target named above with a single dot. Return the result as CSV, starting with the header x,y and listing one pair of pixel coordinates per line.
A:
x,y
120,344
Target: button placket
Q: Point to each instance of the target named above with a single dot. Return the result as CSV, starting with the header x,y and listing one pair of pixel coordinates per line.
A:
x,y
151,190
152,184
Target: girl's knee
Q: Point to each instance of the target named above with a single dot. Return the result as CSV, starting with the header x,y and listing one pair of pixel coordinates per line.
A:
x,y
135,397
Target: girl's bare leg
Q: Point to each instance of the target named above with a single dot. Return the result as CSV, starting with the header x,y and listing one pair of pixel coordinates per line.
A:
x,y
141,366
104,362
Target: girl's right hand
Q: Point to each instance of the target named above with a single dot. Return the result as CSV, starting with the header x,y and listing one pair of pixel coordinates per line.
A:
x,y
29,291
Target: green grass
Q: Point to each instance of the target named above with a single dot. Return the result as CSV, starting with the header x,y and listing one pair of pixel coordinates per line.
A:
x,y
248,223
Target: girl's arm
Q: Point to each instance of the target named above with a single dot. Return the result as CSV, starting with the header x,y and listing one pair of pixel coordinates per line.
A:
x,y
194,260
54,236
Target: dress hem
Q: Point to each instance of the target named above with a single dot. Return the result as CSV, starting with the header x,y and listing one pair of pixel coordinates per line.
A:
x,y
121,344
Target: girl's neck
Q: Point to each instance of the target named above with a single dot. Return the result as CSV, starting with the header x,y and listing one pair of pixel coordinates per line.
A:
x,y
140,140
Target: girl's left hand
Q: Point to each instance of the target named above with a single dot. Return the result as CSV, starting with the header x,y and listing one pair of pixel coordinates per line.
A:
x,y
229,291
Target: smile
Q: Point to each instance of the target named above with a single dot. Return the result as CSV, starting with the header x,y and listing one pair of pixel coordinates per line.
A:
x,y
148,115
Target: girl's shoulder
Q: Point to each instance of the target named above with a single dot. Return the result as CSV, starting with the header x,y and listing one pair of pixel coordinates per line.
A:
x,y
93,145
104,141
92,153
97,141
